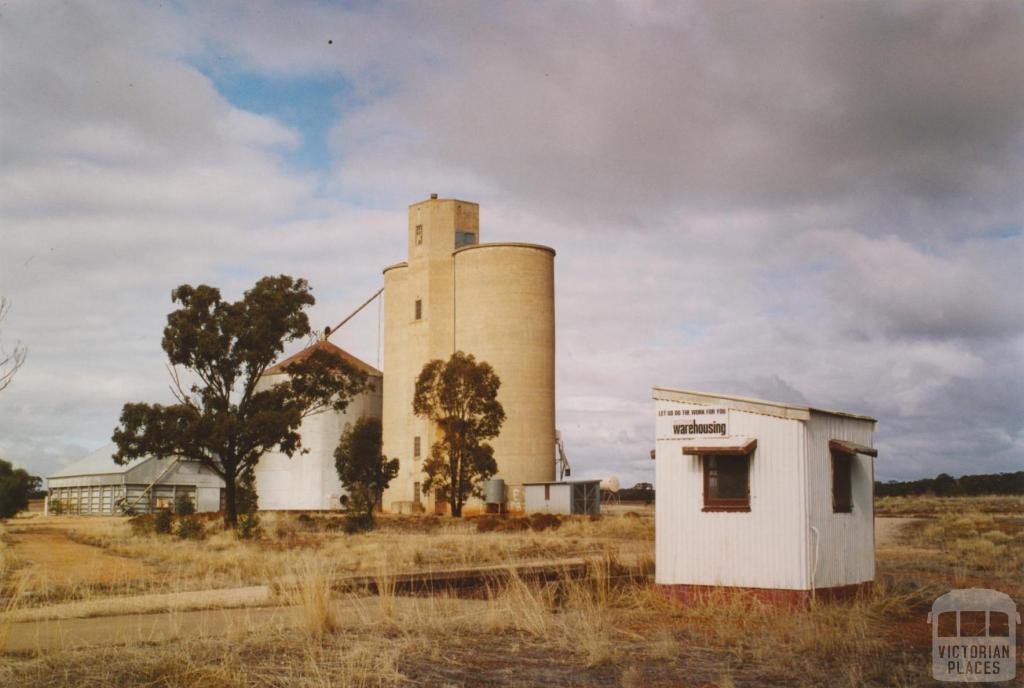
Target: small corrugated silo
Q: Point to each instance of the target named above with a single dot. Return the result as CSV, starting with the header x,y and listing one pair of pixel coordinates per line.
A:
x,y
775,499
494,301
310,481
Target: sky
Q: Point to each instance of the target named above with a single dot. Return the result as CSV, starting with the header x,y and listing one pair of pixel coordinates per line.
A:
x,y
817,203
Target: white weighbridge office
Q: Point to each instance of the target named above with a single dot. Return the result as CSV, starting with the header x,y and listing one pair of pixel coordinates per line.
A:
x,y
773,498
96,485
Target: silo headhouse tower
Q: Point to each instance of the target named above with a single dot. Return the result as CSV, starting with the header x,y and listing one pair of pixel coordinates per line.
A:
x,y
493,300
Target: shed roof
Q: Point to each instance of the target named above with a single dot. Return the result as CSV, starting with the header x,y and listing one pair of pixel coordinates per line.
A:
x,y
768,408
323,345
100,462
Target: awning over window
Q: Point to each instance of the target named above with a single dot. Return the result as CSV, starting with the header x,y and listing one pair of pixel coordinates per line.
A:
x,y
724,445
851,448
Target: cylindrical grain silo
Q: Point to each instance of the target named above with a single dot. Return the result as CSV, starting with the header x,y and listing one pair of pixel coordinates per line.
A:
x,y
505,315
396,418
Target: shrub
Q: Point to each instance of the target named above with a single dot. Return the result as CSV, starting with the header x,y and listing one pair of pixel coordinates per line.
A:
x,y
190,529
163,522
56,507
358,523
513,525
284,527
142,524
539,522
183,505
249,527
486,524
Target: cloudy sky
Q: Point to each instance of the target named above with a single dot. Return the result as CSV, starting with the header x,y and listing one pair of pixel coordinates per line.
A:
x,y
809,202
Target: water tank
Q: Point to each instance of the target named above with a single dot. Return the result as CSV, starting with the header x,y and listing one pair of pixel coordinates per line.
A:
x,y
610,484
494,491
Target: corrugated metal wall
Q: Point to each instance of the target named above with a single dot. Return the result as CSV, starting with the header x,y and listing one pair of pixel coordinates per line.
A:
x,y
87,499
763,548
310,481
846,552
98,494
560,501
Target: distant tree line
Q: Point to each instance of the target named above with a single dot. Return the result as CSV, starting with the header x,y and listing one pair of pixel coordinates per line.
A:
x,y
641,492
945,485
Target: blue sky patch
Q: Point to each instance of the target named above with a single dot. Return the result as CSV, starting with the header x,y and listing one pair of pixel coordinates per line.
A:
x,y
311,104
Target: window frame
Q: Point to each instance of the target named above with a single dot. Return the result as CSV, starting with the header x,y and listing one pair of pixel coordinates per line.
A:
x,y
416,447
725,504
846,459
419,235
418,310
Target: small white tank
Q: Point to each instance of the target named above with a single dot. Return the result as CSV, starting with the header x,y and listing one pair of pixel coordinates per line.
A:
x,y
610,484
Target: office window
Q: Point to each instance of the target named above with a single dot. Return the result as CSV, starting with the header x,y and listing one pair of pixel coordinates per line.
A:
x,y
842,477
419,309
416,447
419,235
464,238
726,482
416,492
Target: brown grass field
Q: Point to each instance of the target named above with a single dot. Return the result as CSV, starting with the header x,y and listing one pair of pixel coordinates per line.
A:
x,y
90,602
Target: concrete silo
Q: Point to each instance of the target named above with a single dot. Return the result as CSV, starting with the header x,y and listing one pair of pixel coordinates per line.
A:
x,y
495,301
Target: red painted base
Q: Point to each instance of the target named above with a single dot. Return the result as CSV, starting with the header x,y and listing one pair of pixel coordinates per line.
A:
x,y
691,594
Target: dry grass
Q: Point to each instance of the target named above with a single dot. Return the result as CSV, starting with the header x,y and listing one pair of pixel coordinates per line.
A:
x,y
296,542
929,506
977,541
312,595
600,630
611,627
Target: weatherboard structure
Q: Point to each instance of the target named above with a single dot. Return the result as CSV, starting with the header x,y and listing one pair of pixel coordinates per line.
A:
x,y
769,498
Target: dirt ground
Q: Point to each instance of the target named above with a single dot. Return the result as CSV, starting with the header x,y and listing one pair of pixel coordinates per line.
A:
x,y
888,529
53,559
353,613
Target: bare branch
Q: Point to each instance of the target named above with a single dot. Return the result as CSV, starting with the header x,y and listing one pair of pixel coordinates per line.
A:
x,y
9,362
176,389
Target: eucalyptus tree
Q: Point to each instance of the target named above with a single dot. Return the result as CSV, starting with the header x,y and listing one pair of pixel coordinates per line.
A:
x,y
225,419
460,396
362,468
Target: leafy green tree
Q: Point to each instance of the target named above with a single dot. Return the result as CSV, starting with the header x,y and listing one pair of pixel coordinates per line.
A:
x,y
224,419
15,486
945,485
460,396
362,468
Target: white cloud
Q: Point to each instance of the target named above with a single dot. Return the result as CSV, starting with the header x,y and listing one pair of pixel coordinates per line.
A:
x,y
821,208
